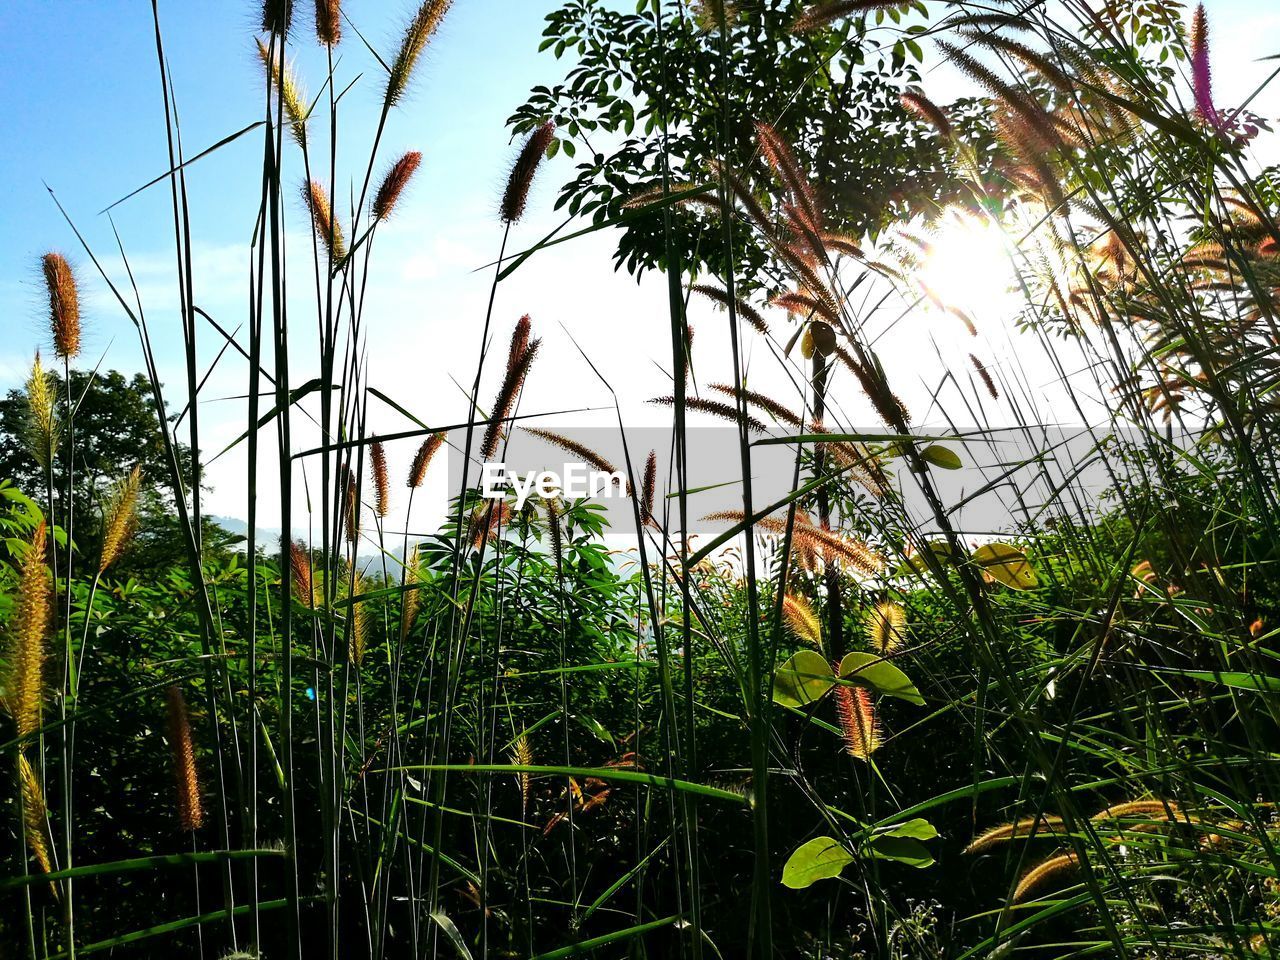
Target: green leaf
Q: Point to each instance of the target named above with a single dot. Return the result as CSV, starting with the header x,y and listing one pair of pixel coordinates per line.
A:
x,y
902,849
941,456
818,859
1006,565
875,672
802,680
917,829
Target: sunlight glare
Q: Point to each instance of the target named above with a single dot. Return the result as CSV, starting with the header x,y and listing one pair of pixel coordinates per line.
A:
x,y
967,265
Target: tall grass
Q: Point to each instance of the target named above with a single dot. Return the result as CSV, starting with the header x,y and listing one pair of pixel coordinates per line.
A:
x,y
405,757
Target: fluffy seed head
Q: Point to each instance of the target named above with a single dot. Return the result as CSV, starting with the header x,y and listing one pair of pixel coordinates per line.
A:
x,y
649,488
33,814
28,628
520,179
743,309
985,375
858,722
121,518
350,505
886,627
422,459
393,184
519,340
358,640
300,573
64,305
1201,77
183,754
328,22
801,620
381,486
822,14
505,401
522,756
1045,826
277,16
42,420
580,450
328,232
416,35
1042,873
410,600
286,88
926,110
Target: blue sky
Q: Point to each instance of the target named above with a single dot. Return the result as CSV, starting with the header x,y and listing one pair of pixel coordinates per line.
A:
x,y
83,113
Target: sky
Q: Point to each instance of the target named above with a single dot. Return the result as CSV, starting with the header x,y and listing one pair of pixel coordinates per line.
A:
x,y
83,114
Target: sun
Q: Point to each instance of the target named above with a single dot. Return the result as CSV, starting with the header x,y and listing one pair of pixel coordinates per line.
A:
x,y
966,265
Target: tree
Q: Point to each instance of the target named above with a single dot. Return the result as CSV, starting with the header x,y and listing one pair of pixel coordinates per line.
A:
x,y
114,428
833,94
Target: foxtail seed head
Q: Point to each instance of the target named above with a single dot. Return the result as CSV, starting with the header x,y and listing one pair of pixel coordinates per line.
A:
x,y
393,184
381,486
416,35
121,518
328,22
328,232
28,628
522,172
64,306
183,754
42,420
422,459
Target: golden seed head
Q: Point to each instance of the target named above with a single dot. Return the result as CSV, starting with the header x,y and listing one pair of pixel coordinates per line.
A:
x,y
859,724
328,232
42,418
28,628
33,814
121,518
416,35
286,87
886,627
64,306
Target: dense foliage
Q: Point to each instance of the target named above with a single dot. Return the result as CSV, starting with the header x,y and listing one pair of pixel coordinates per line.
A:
x,y
847,725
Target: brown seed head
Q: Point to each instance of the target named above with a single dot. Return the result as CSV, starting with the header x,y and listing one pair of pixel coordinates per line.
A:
x,y
649,488
506,398
328,22
381,486
522,172
422,459
822,14
64,306
393,184
300,573
183,754
519,340
928,111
